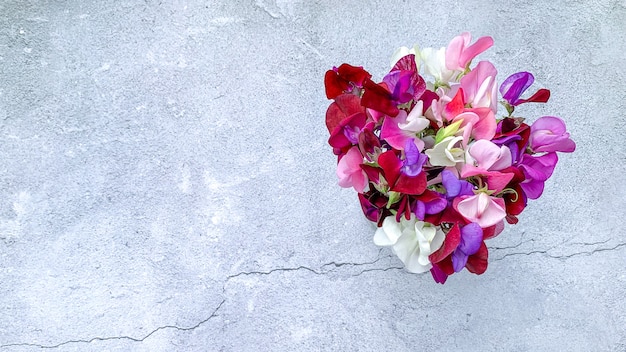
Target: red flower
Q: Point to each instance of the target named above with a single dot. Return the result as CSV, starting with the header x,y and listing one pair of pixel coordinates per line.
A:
x,y
343,78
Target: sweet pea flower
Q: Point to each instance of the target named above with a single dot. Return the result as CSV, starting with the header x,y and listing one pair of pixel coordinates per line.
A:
x,y
516,84
343,79
488,159
428,203
417,85
433,62
349,170
548,134
479,86
481,208
411,240
537,169
479,123
457,244
404,175
471,239
459,53
488,156
447,152
403,127
455,187
346,134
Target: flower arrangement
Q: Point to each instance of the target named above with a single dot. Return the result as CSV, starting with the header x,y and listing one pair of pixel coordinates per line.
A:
x,y
433,165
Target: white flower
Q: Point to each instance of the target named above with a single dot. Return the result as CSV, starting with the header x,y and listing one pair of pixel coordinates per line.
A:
x,y
411,240
434,64
429,61
445,153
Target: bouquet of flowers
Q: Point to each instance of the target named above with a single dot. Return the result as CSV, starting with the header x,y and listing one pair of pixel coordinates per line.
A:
x,y
434,166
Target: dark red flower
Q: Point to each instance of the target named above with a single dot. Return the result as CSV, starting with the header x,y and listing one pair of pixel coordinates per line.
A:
x,y
343,78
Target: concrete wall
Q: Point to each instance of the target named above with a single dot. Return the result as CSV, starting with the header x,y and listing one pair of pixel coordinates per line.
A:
x,y
165,182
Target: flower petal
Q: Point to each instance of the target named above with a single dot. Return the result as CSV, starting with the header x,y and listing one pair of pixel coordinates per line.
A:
x,y
458,260
451,242
389,233
477,263
471,238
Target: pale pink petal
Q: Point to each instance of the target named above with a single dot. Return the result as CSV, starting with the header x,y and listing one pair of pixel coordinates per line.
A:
x,y
494,213
349,170
485,153
481,208
454,50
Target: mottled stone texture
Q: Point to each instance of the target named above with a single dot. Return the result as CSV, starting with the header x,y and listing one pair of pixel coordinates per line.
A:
x,y
165,182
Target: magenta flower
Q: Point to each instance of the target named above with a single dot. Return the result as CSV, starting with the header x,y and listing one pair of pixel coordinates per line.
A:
x,y
407,63
403,128
516,84
548,134
399,83
537,169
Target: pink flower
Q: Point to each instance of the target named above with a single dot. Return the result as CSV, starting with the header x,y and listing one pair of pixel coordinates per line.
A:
x,y
548,134
480,208
480,123
488,160
479,86
349,171
489,156
459,53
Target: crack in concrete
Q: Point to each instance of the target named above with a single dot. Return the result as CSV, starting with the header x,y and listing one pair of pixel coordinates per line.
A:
x,y
316,272
567,256
214,314
511,247
319,271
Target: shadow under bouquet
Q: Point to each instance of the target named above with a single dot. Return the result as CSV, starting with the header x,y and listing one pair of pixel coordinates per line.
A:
x,y
434,166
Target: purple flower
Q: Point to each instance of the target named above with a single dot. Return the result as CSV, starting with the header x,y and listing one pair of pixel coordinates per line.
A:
x,y
399,83
414,160
516,84
471,239
454,186
434,205
548,134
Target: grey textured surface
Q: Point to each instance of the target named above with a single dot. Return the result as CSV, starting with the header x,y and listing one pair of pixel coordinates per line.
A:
x,y
165,182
